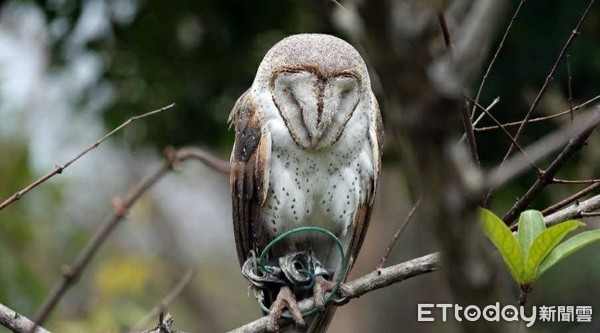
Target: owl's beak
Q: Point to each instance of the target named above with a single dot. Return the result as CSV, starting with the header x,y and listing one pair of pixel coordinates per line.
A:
x,y
313,141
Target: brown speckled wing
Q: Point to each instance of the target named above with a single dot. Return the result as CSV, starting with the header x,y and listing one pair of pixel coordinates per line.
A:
x,y
363,215
249,176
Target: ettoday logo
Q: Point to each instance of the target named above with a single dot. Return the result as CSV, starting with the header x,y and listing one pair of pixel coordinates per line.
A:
x,y
495,312
492,312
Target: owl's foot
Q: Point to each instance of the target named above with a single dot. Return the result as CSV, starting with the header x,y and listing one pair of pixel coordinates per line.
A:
x,y
323,286
285,300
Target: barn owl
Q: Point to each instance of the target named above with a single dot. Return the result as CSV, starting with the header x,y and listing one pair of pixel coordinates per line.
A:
x,y
307,152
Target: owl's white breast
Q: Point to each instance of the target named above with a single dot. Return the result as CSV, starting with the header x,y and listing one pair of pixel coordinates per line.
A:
x,y
317,188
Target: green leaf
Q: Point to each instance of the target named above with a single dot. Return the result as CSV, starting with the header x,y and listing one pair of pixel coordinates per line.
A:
x,y
531,224
568,247
504,241
543,244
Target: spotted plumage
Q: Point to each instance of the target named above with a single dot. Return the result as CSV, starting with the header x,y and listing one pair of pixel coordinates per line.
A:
x,y
307,153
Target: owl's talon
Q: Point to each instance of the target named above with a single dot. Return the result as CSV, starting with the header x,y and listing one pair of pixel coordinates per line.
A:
x,y
322,286
285,300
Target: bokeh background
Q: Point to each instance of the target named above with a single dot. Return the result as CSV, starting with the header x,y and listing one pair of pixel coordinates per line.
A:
x,y
72,70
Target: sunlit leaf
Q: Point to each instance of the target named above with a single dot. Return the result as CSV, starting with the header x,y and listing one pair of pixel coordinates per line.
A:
x,y
568,247
504,241
531,224
543,244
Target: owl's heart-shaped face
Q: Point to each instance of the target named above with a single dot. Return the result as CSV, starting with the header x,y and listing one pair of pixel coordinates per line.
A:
x,y
315,107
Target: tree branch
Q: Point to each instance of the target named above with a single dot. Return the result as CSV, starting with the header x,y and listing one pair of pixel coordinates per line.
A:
x,y
493,61
575,211
397,234
538,119
570,199
16,322
58,168
541,148
575,144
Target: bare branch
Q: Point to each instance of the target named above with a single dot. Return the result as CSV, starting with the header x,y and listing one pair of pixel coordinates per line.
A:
x,y
469,133
208,159
575,181
16,322
337,3
537,169
544,87
574,145
397,234
59,168
478,120
445,33
535,120
541,148
575,211
570,199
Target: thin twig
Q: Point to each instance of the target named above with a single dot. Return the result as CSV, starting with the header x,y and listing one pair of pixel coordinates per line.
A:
x,y
574,145
590,214
397,234
59,168
543,89
469,133
534,120
500,46
17,322
71,273
445,33
488,109
165,301
569,81
337,3
537,169
576,211
570,199
206,158
575,181
541,148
